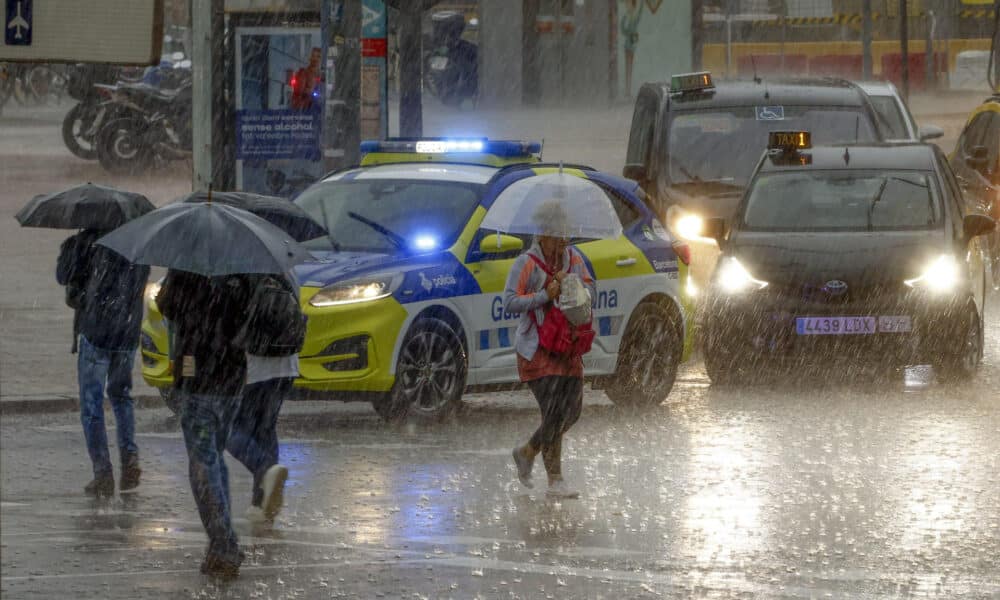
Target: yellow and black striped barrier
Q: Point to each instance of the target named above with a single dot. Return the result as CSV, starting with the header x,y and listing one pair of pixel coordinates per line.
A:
x,y
855,18
976,13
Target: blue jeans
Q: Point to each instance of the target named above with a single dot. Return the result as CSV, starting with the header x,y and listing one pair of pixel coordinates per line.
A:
x,y
254,437
206,421
99,369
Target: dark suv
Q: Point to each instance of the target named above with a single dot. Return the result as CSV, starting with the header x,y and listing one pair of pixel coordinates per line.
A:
x,y
693,144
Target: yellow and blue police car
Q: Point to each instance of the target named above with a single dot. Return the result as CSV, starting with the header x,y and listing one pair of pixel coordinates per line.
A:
x,y
404,297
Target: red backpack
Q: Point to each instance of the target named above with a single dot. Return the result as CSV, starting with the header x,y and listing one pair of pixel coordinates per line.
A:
x,y
556,334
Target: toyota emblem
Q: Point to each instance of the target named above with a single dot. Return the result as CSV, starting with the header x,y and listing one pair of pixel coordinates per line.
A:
x,y
835,287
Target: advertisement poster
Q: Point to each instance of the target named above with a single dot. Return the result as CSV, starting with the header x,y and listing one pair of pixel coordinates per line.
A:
x,y
374,76
279,107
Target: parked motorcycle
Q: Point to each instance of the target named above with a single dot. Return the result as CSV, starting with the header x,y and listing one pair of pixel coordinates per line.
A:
x,y
451,68
93,86
90,86
154,126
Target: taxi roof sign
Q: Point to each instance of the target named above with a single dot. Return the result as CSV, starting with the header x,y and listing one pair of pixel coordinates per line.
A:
x,y
789,141
482,151
691,82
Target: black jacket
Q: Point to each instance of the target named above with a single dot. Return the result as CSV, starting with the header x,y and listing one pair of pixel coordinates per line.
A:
x,y
108,291
206,316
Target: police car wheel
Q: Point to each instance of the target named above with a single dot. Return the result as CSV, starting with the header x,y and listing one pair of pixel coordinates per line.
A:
x,y
647,362
171,400
961,361
430,375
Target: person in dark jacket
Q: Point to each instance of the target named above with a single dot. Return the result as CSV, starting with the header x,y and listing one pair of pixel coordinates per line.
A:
x,y
106,292
209,369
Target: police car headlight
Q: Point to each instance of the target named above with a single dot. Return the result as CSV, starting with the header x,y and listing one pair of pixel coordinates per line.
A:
x,y
374,287
941,275
734,278
152,289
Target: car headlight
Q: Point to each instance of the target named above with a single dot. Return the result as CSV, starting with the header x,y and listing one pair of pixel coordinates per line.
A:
x,y
152,289
373,287
941,275
734,278
690,227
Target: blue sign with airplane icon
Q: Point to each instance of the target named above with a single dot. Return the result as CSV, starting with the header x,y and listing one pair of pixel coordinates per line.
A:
x,y
17,23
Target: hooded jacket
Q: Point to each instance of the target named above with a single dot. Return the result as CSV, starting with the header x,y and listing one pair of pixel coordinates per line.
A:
x,y
110,306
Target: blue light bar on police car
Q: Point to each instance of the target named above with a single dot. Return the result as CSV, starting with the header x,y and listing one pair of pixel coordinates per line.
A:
x,y
502,148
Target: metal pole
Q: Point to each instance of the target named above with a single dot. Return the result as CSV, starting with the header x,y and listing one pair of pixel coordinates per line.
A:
x,y
202,71
929,66
904,42
411,111
866,39
729,44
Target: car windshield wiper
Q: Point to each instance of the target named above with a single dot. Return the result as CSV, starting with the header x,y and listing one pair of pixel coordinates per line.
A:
x,y
397,240
875,199
326,225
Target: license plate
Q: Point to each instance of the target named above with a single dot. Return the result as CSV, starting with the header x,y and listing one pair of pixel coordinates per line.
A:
x,y
835,325
852,325
439,63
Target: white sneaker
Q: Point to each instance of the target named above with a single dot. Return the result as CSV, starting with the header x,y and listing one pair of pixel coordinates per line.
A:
x,y
274,490
560,489
255,515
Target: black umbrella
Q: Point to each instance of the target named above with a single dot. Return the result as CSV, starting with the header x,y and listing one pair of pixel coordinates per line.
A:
x,y
85,206
206,238
284,214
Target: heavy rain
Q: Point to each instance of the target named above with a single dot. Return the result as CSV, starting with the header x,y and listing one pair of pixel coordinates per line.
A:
x,y
500,299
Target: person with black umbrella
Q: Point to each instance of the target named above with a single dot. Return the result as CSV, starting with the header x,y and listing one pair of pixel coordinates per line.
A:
x,y
273,335
105,291
211,249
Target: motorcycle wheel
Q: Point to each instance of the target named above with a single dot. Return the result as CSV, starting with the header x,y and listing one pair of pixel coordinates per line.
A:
x,y
76,131
122,146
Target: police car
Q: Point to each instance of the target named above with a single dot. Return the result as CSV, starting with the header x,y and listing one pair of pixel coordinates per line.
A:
x,y
404,298
863,252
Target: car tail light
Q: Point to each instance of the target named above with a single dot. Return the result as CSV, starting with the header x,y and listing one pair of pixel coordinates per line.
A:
x,y
683,252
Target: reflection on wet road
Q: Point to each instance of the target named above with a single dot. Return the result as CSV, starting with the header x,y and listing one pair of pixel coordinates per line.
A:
x,y
841,487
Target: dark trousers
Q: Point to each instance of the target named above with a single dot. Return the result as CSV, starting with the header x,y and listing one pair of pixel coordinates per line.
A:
x,y
561,401
205,422
100,370
254,437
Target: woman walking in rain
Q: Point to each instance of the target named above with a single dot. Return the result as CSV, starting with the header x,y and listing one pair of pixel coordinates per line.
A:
x,y
556,379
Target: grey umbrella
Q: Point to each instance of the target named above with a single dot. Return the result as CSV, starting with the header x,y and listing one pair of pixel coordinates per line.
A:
x,y
283,213
206,238
86,206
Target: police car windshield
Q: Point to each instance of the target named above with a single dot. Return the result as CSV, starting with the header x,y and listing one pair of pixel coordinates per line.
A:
x,y
842,201
723,145
390,216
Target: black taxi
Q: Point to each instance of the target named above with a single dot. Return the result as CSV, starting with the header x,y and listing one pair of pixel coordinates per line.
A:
x,y
864,252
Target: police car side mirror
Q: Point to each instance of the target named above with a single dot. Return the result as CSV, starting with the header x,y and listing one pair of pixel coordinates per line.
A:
x,y
636,171
499,243
975,225
930,132
715,228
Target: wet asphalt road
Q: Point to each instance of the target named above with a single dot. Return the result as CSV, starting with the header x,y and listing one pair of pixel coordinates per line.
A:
x,y
821,488
826,488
